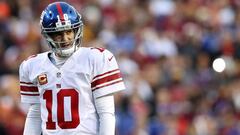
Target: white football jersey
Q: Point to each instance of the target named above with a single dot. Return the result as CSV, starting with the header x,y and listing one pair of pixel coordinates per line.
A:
x,y
67,94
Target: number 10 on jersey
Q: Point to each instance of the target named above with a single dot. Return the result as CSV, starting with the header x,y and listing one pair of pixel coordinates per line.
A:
x,y
74,99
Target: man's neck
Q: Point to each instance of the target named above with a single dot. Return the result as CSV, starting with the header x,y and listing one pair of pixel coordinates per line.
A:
x,y
59,57
58,61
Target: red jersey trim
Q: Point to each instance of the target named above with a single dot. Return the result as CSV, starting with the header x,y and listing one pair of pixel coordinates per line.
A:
x,y
29,88
25,94
26,82
105,79
105,73
107,85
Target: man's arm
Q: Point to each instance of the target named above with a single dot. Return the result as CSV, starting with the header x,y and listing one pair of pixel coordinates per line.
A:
x,y
106,111
33,121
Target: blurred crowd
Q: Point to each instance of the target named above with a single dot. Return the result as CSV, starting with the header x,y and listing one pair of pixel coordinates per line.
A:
x,y
165,50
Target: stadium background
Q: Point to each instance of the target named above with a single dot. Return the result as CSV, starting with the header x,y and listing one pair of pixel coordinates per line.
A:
x,y
165,50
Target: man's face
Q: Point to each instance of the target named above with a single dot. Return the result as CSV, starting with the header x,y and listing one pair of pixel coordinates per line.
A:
x,y
64,38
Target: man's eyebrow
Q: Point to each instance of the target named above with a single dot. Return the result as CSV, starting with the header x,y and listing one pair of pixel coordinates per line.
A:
x,y
55,33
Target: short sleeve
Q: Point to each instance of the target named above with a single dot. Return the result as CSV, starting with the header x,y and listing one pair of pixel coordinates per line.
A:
x,y
107,79
28,89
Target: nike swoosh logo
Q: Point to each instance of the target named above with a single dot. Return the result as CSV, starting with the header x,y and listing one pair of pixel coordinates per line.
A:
x,y
110,58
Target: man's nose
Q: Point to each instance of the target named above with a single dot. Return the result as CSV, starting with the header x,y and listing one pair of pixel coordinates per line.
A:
x,y
65,37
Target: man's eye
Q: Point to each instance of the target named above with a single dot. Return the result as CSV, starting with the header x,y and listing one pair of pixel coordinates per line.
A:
x,y
69,31
54,35
57,37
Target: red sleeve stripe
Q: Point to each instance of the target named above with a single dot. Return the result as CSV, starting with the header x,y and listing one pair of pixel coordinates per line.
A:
x,y
25,94
109,72
26,82
105,79
106,85
29,88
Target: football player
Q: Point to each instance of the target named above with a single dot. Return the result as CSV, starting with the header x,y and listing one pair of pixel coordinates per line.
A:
x,y
70,88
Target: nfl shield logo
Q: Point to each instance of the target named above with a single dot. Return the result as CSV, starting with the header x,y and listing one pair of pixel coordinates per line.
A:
x,y
42,79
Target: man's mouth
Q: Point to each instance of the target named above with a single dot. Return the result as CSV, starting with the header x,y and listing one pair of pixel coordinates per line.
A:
x,y
66,46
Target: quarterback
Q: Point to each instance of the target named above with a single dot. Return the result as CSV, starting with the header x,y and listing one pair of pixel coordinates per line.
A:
x,y
71,88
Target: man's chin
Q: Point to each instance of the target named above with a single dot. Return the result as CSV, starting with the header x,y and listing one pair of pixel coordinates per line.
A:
x,y
66,47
